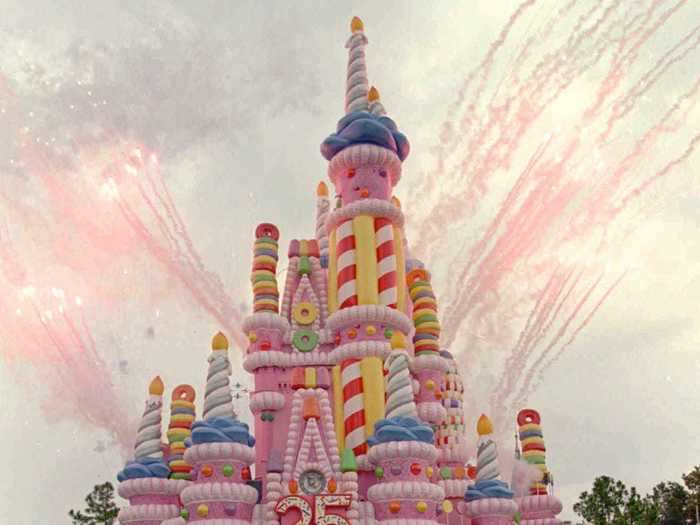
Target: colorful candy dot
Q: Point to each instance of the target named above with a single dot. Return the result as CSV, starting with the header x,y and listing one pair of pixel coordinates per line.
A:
x,y
227,470
396,470
202,511
245,474
445,472
429,471
388,333
459,472
430,384
337,339
184,514
394,507
265,345
447,506
371,329
293,486
252,337
352,333
421,506
332,486
415,469
207,471
379,472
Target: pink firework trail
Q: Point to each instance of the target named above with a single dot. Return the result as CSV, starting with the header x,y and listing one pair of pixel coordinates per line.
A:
x,y
593,80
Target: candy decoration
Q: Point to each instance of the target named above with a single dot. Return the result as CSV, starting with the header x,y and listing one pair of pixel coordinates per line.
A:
x,y
293,486
386,262
415,469
202,511
148,437
379,472
421,506
182,415
353,409
207,471
227,471
304,313
264,274
305,340
332,486
346,265
487,455
427,336
400,400
450,435
533,449
218,401
394,507
357,86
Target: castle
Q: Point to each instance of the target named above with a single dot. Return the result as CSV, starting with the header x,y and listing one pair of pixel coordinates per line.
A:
x,y
358,411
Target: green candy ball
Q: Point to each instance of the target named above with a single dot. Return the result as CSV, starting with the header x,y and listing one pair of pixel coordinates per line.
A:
x,y
184,514
228,471
445,472
379,472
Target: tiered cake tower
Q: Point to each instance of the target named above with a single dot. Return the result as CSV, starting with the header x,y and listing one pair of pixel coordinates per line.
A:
x,y
153,497
358,411
489,500
540,507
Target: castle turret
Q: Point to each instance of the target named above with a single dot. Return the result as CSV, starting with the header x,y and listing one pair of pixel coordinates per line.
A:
x,y
366,272
489,500
540,507
144,480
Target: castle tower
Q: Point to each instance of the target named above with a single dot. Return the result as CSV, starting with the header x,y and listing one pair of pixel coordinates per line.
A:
x,y
540,507
144,481
403,453
489,500
367,291
450,439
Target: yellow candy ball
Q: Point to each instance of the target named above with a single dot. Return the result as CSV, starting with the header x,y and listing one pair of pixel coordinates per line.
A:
x,y
429,471
203,511
421,506
252,337
430,384
371,329
447,506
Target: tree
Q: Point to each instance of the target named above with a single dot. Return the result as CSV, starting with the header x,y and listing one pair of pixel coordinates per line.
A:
x,y
672,500
101,508
692,483
612,503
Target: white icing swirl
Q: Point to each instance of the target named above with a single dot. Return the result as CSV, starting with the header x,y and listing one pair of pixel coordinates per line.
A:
x,y
149,432
322,208
218,400
400,401
486,460
357,85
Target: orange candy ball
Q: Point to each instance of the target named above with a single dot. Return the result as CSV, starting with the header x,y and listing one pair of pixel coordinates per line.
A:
x,y
332,486
293,486
207,471
394,507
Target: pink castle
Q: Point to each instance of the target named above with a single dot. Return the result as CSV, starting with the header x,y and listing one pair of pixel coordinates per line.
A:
x,y
358,412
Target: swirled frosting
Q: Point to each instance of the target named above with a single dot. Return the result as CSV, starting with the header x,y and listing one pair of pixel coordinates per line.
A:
x,y
400,401
144,468
362,127
218,401
221,430
149,433
487,483
400,429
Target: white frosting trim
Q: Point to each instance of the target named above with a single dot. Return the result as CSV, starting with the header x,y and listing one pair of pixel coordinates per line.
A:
x,y
145,486
431,412
371,207
429,362
285,359
219,451
402,450
265,320
360,349
218,521
405,490
207,492
491,507
539,503
147,512
407,521
266,401
369,313
454,487
175,521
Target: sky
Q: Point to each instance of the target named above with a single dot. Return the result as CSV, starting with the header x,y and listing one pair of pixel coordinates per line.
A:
x,y
235,98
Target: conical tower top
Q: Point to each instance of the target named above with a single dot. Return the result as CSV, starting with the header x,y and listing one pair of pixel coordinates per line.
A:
x,y
357,85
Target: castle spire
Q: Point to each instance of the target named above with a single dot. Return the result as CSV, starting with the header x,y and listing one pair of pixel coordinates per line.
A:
x,y
357,85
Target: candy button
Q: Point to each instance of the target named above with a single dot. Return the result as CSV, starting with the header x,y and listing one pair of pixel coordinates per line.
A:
x,y
415,469
388,333
252,337
267,230
207,471
305,340
421,506
430,384
332,486
202,511
379,472
293,486
228,471
371,330
245,474
394,507
447,506
304,313
352,333
429,471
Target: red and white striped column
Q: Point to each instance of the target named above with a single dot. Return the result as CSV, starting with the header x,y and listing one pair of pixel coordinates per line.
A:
x,y
386,262
346,265
353,406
